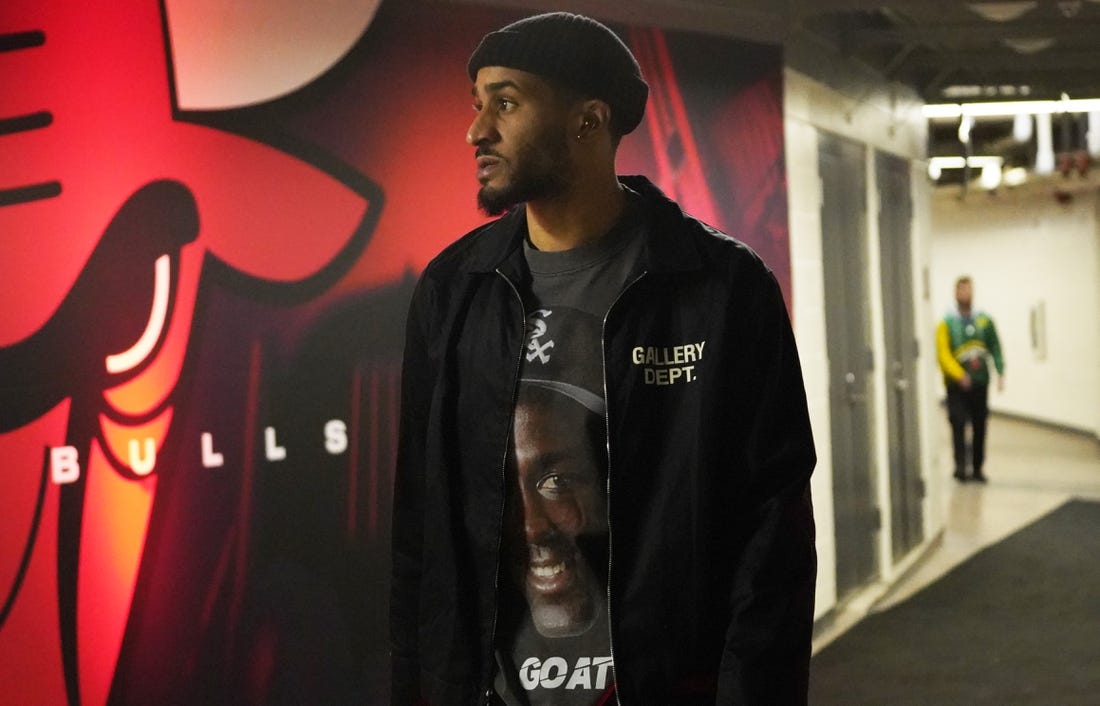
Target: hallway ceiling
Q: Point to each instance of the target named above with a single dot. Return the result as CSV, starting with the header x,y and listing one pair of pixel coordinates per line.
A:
x,y
972,52
946,50
952,51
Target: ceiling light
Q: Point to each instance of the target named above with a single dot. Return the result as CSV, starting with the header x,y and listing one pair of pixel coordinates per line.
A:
x,y
941,110
994,163
965,124
1069,8
990,178
975,162
961,91
1044,144
1009,109
1029,46
1001,11
1022,128
1014,176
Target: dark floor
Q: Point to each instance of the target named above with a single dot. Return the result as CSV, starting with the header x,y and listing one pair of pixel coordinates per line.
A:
x,y
1032,470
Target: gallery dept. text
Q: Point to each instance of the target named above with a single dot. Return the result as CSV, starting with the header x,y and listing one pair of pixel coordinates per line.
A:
x,y
670,364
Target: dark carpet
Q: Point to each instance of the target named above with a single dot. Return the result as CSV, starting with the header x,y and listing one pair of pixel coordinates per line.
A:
x,y
1018,623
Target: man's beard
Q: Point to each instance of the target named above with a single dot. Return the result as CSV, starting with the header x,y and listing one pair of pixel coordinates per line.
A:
x,y
541,171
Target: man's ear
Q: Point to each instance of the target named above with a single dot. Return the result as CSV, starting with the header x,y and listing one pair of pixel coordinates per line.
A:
x,y
595,115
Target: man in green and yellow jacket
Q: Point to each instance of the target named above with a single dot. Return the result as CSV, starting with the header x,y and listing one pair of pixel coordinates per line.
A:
x,y
966,344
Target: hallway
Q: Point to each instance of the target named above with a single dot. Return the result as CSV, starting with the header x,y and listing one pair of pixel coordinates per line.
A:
x,y
1033,470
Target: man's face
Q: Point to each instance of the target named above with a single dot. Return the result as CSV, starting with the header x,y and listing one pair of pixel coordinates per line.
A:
x,y
521,136
560,509
964,294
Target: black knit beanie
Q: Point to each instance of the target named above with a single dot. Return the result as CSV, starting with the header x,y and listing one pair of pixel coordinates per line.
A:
x,y
576,51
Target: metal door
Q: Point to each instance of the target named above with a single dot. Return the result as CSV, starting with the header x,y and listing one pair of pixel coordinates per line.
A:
x,y
844,245
895,222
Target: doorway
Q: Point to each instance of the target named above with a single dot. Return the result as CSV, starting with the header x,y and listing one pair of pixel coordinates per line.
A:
x,y
895,227
841,165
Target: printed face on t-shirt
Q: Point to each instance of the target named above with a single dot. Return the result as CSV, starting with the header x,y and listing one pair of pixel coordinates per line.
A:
x,y
560,506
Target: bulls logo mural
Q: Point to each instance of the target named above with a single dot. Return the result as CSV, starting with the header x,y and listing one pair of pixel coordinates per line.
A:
x,y
111,209
211,218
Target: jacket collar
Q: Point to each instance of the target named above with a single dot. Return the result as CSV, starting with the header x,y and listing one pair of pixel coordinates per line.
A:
x,y
667,248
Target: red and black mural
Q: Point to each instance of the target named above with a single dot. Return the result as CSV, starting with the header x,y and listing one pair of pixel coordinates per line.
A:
x,y
210,225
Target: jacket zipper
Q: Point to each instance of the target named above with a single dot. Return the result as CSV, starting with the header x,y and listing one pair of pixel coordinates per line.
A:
x,y
504,484
607,430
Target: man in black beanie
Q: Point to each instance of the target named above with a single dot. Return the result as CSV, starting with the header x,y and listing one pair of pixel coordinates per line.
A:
x,y
602,492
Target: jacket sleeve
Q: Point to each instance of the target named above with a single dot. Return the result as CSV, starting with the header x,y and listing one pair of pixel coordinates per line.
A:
x,y
768,641
407,531
944,354
995,348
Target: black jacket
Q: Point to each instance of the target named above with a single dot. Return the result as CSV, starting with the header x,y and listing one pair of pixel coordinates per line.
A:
x,y
712,569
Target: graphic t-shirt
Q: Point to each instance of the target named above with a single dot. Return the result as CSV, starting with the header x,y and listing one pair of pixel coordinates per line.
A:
x,y
553,636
